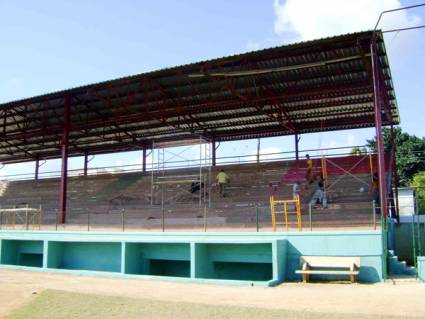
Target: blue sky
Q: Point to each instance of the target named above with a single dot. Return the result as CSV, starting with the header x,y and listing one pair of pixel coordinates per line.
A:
x,y
53,45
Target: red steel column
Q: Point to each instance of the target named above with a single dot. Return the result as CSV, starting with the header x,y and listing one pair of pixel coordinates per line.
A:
x,y
86,163
144,159
64,171
378,127
37,166
395,173
296,147
213,155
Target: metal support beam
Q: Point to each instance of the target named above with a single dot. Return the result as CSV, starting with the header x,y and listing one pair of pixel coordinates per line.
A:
x,y
296,147
144,159
258,150
378,127
86,163
37,167
213,153
395,173
64,170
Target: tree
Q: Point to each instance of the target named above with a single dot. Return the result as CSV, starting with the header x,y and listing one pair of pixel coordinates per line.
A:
x,y
410,155
419,182
358,151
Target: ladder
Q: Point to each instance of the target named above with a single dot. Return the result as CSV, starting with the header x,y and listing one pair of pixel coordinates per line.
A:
x,y
284,204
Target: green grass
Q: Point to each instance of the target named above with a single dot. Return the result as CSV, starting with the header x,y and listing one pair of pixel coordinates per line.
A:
x,y
54,304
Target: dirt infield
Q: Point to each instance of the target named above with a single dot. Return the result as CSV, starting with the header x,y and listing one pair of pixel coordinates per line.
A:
x,y
403,298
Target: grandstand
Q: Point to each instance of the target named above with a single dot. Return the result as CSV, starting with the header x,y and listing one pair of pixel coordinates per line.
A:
x,y
329,84
107,196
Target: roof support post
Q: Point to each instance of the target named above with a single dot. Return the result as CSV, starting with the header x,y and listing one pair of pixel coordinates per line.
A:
x,y
395,173
144,159
86,163
37,167
213,153
297,157
64,170
258,150
378,127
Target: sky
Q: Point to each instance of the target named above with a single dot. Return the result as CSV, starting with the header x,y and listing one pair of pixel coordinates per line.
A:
x,y
52,45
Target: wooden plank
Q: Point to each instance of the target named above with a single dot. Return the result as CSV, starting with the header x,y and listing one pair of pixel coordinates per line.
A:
x,y
327,272
330,261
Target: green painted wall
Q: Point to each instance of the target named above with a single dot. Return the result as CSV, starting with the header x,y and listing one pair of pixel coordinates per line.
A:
x,y
238,258
421,267
234,261
22,253
366,245
404,241
158,259
99,256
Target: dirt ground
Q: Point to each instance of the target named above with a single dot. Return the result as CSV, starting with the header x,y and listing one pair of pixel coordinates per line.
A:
x,y
402,298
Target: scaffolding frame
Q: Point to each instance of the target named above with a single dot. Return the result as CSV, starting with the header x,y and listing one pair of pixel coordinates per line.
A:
x,y
346,172
27,216
160,180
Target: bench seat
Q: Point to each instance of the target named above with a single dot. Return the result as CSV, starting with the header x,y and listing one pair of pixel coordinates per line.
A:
x,y
328,272
329,265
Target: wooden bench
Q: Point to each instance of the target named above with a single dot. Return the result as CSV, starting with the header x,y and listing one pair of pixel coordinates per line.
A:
x,y
329,265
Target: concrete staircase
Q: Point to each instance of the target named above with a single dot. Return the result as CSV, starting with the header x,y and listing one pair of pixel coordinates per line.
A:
x,y
397,267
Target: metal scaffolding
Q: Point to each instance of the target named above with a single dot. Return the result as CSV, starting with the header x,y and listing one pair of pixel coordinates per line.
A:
x,y
196,186
26,216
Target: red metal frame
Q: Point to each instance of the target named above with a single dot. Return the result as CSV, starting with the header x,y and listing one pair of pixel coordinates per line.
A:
x,y
37,167
144,159
395,173
64,170
296,147
86,163
213,153
378,128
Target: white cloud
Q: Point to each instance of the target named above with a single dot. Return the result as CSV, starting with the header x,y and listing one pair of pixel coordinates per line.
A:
x,y
301,20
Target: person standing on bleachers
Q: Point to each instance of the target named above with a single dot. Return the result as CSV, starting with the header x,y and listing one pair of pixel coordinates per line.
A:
x,y
323,198
309,172
296,190
222,179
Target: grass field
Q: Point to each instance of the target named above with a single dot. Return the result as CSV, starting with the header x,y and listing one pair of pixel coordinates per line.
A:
x,y
55,304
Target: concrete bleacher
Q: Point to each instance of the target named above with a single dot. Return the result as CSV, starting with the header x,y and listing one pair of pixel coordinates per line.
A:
x,y
107,197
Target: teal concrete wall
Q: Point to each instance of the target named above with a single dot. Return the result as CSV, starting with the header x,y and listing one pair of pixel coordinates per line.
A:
x,y
22,253
368,246
99,256
158,259
240,261
236,258
421,267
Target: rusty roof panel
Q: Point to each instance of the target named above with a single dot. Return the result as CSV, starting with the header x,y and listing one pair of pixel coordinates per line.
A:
x,y
313,86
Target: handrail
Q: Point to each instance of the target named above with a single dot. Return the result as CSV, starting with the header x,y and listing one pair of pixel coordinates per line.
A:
x,y
223,160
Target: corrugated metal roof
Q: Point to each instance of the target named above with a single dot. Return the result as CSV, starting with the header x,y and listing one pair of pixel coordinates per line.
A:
x,y
312,86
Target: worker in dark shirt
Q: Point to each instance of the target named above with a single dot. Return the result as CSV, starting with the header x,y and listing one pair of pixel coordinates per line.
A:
x,y
374,190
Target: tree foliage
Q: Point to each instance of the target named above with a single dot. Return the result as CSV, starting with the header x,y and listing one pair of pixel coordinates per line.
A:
x,y
419,182
410,155
358,151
